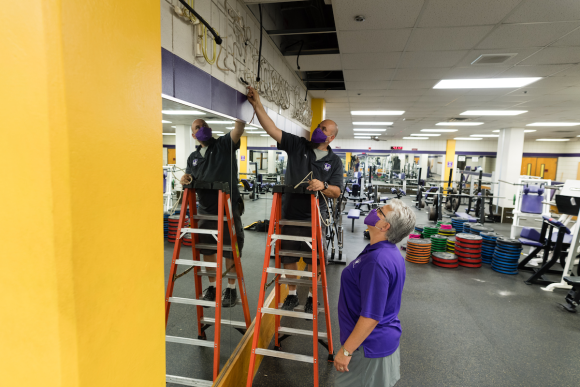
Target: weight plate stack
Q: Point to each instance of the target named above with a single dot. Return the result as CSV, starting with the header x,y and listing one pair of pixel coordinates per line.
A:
x,y
447,260
418,251
451,245
468,249
165,225
438,243
172,229
419,228
187,240
457,223
506,255
447,232
488,246
441,223
414,236
477,229
429,231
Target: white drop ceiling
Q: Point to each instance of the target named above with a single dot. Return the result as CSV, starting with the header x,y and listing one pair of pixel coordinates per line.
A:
x,y
392,60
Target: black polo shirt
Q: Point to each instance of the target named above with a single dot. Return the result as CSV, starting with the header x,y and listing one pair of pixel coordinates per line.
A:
x,y
219,164
301,161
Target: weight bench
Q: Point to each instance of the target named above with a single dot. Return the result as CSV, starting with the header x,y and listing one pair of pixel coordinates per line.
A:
x,y
573,297
353,214
384,199
466,216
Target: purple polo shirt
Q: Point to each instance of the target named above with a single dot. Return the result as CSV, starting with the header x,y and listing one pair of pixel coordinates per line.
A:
x,y
371,286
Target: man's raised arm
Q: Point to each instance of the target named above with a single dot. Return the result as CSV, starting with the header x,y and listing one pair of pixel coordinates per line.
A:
x,y
237,132
265,120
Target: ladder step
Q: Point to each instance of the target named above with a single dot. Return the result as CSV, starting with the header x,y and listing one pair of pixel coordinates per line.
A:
x,y
295,253
303,223
300,308
188,381
291,238
209,217
199,231
284,355
288,313
300,332
207,274
289,272
191,262
191,301
211,246
299,282
186,340
235,324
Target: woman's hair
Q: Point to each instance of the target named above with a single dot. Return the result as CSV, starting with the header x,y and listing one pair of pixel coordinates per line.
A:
x,y
402,220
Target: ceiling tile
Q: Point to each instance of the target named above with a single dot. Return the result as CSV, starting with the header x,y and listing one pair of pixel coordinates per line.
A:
x,y
521,54
431,59
368,75
445,13
367,85
411,74
328,93
474,72
542,11
315,62
533,71
572,39
382,60
409,85
366,93
454,38
378,13
373,40
554,55
526,35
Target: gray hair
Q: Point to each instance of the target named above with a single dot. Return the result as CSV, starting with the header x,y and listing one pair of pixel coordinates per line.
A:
x,y
402,220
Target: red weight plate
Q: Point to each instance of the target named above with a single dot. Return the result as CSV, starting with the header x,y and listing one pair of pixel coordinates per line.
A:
x,y
446,266
468,265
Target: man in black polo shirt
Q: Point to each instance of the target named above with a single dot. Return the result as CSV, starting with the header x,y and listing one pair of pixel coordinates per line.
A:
x,y
304,157
214,161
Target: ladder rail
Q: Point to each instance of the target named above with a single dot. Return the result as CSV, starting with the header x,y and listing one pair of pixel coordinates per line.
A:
x,y
193,222
218,279
315,244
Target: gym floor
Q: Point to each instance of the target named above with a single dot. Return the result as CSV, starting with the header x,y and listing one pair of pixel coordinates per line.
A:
x,y
461,327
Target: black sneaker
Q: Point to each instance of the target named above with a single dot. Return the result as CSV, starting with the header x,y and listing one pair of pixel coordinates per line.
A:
x,y
290,302
230,298
209,295
308,306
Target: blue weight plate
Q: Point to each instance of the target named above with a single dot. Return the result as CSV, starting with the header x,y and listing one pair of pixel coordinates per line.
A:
x,y
506,257
508,250
503,265
503,271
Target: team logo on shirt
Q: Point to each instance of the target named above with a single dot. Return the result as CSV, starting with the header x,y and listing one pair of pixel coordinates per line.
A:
x,y
327,167
194,162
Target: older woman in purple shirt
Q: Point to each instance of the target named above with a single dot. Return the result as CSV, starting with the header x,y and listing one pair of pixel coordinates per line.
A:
x,y
370,298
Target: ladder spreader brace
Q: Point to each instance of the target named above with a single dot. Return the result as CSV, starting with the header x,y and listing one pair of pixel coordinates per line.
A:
x,y
315,242
224,213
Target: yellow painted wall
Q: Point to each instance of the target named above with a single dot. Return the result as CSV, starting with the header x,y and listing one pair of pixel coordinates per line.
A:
x,y
243,152
449,157
318,106
81,237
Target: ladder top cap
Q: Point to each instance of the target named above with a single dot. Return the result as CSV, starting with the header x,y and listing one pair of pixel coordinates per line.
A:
x,y
223,186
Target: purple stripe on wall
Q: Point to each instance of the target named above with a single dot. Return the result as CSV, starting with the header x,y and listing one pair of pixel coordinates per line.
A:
x,y
167,72
492,154
169,146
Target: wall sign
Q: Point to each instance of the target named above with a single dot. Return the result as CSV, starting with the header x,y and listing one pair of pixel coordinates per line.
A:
x,y
449,164
243,158
460,158
396,147
475,158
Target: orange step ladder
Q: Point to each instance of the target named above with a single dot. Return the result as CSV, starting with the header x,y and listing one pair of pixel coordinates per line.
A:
x,y
315,242
224,208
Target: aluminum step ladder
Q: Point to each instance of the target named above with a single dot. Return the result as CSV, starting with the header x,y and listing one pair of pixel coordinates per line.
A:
x,y
275,238
224,212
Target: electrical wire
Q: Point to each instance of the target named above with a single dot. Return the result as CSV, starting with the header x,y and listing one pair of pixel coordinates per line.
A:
x,y
261,35
217,38
204,47
328,221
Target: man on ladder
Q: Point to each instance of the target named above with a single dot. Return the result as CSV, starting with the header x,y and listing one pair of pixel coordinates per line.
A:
x,y
312,158
214,161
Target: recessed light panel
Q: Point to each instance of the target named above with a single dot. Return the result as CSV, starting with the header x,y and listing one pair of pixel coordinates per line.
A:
x,y
459,123
493,112
183,112
467,138
362,138
489,83
377,112
165,122
439,130
484,135
169,134
220,122
425,134
525,131
554,124
415,138
369,130
372,123
367,134
553,139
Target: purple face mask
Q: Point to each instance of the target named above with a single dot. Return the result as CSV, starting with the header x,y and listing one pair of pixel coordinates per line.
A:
x,y
203,134
318,136
372,218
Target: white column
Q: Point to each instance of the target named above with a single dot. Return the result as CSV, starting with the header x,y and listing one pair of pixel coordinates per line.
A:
x,y
271,161
183,145
510,149
423,165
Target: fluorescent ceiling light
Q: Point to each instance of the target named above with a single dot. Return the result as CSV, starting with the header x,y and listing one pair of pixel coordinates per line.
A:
x,y
264,135
216,131
367,134
459,123
467,138
174,127
439,130
220,122
484,135
525,131
169,134
423,135
362,138
230,127
183,112
372,123
165,122
493,112
369,130
260,132
415,138
554,124
485,83
377,112
553,139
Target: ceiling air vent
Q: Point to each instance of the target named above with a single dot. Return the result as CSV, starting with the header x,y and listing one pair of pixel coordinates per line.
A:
x,y
563,131
491,59
454,119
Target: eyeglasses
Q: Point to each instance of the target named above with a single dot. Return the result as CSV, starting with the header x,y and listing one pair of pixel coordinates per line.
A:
x,y
381,211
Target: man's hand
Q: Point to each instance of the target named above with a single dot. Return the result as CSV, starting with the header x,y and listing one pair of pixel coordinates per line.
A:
x,y
341,361
253,97
315,185
186,179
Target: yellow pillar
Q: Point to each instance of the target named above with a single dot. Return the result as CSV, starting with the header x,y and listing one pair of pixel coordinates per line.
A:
x,y
243,155
318,106
81,245
348,161
449,160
